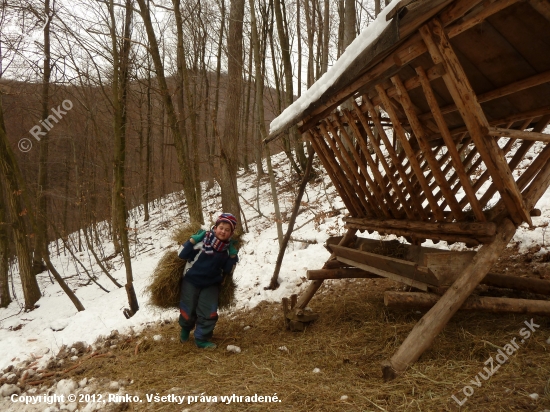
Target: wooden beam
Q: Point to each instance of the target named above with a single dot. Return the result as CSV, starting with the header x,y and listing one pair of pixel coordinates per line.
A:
x,y
347,193
538,286
484,229
375,188
350,171
410,300
351,273
420,133
386,274
470,241
450,144
314,286
464,96
373,167
542,6
401,135
519,134
393,155
400,267
425,331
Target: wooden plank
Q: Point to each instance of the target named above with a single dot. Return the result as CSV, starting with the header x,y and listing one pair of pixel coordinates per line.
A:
x,y
410,300
375,188
518,156
542,6
519,134
342,186
460,171
314,286
400,267
484,229
400,131
509,89
383,273
352,273
441,51
435,167
351,173
447,266
425,331
539,286
393,155
372,164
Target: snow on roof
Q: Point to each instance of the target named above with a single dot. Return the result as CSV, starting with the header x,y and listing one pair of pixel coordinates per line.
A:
x,y
293,113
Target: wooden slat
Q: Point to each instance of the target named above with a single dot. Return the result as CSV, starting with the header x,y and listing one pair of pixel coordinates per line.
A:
x,y
482,13
542,6
419,132
415,234
374,187
515,87
346,192
352,273
394,157
519,134
409,152
450,144
518,156
400,267
390,171
350,173
484,229
441,51
384,273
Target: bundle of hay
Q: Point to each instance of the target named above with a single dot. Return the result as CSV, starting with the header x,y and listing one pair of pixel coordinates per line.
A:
x,y
164,289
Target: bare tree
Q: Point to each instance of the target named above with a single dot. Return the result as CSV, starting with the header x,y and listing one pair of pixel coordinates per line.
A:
x,y
229,143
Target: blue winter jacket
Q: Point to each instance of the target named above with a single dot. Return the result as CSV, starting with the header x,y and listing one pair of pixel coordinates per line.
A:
x,y
208,269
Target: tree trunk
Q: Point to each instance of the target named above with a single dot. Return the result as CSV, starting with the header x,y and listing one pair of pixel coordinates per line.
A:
x,y
41,235
230,141
11,177
121,70
282,30
5,297
191,182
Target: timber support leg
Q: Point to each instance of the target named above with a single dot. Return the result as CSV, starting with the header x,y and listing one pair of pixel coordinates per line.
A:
x,y
427,328
297,314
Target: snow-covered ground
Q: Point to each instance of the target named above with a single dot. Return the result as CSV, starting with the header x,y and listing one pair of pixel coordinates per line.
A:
x,y
39,334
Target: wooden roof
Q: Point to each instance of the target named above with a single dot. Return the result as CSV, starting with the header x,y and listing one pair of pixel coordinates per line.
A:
x,y
439,119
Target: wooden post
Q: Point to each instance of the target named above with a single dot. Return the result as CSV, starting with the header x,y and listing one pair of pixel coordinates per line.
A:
x,y
409,300
274,284
425,331
316,284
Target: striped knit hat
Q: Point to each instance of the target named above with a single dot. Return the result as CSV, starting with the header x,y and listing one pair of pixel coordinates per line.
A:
x,y
227,218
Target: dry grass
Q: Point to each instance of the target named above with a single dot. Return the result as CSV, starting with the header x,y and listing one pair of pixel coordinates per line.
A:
x,y
164,289
353,335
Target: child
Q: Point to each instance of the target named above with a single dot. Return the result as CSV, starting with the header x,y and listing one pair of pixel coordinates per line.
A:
x,y
210,256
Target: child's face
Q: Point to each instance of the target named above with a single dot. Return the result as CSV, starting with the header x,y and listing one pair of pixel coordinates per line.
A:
x,y
223,231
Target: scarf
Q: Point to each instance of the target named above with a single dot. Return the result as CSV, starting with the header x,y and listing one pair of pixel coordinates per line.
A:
x,y
211,243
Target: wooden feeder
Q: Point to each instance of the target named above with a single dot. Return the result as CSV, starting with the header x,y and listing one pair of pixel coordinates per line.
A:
x,y
422,131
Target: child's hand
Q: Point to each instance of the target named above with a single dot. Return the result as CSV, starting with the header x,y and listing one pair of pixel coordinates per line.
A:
x,y
232,249
197,237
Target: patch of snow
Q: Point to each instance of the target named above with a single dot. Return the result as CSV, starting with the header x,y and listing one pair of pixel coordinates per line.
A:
x,y
233,348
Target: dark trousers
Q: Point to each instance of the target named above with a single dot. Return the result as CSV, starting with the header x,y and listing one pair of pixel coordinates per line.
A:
x,y
199,308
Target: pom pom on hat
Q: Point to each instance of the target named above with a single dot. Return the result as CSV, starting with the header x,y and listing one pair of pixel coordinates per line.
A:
x,y
227,218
